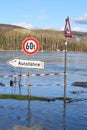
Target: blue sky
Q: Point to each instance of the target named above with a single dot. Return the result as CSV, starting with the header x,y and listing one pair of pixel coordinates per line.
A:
x,y
44,14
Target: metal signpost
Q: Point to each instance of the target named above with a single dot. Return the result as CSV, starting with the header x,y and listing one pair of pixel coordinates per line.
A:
x,y
30,46
67,35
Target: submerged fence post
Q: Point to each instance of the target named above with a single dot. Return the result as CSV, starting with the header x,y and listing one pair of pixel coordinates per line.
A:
x,y
19,82
29,92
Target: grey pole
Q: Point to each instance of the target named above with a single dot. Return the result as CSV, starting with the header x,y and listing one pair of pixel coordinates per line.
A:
x,y
65,65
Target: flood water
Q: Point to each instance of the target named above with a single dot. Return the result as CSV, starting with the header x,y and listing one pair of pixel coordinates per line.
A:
x,y
55,115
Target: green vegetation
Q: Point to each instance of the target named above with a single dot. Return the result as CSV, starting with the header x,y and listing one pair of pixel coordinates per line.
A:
x,y
11,38
23,97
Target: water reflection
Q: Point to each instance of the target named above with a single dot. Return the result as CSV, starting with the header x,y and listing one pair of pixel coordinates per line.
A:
x,y
64,115
29,114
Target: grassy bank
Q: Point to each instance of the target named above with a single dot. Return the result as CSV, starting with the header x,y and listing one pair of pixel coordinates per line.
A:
x,y
24,97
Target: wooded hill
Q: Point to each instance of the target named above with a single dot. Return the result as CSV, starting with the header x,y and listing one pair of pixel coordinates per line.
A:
x,y
11,38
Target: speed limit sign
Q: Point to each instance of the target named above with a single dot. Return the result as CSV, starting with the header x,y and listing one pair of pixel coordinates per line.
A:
x,y
30,46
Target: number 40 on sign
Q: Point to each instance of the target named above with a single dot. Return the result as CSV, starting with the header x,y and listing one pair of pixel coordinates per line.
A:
x,y
30,46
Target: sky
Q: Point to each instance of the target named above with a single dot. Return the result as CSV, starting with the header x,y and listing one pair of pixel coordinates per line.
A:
x,y
44,14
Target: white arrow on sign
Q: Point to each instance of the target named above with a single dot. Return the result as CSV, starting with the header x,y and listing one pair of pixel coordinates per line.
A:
x,y
27,64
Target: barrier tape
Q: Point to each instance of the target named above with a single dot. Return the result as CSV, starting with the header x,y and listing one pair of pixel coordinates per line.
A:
x,y
39,75
27,75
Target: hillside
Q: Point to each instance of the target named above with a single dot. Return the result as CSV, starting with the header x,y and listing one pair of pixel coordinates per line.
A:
x,y
7,27
11,38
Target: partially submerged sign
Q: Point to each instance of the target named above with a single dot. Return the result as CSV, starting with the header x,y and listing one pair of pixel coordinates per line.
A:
x,y
27,64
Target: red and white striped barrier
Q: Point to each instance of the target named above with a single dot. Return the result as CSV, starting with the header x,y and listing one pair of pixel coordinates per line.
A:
x,y
26,75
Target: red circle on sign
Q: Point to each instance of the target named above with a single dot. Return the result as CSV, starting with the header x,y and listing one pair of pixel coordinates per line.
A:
x,y
30,46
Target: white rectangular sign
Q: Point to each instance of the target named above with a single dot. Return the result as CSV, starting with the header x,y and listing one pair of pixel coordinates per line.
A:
x,y
27,64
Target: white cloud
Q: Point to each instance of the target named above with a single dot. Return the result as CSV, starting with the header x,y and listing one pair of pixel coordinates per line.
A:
x,y
81,20
75,28
79,29
25,25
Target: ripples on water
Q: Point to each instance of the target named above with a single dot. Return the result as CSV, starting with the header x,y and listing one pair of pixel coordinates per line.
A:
x,y
50,115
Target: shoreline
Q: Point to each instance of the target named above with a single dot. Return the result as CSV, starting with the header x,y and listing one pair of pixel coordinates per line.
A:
x,y
44,51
